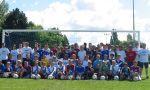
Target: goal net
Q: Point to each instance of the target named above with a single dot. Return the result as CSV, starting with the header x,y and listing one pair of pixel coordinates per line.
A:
x,y
57,37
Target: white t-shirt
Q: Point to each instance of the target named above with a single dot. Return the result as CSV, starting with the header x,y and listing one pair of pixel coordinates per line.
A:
x,y
25,51
4,53
19,50
123,55
14,54
143,55
81,55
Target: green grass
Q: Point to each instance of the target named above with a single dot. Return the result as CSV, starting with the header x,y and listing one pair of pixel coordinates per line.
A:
x,y
30,84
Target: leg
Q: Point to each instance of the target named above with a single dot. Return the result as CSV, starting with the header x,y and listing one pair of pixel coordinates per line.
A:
x,y
146,70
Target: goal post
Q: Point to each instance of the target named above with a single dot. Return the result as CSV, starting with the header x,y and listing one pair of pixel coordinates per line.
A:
x,y
9,31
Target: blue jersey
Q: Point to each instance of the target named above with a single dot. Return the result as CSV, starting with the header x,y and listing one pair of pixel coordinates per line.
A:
x,y
96,62
103,53
61,69
120,63
79,69
10,69
44,70
2,68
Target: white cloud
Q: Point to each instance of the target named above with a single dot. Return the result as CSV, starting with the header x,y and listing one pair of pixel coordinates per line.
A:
x,y
87,14
13,1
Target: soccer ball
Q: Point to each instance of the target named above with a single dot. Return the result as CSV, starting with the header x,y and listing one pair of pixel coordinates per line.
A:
x,y
37,76
15,76
78,77
135,78
102,77
33,76
51,77
70,77
5,75
116,77
94,77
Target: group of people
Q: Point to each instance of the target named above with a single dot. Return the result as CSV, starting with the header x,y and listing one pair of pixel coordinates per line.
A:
x,y
84,62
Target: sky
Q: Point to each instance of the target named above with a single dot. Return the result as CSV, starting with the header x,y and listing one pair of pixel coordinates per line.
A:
x,y
87,15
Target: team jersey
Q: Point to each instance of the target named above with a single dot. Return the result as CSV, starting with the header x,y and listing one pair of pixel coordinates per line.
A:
x,y
85,63
131,55
79,69
61,68
115,69
65,62
46,52
4,53
25,51
51,70
143,55
36,69
104,52
2,68
125,70
122,54
19,51
70,69
14,54
96,62
81,55
135,69
44,70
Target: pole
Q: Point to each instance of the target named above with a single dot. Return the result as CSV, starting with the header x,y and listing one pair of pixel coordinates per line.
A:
x,y
133,21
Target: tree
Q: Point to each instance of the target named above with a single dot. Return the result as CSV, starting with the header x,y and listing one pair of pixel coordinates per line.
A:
x,y
16,19
129,37
31,25
3,12
114,39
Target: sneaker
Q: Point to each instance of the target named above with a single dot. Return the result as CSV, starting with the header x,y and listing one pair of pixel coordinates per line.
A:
x,y
147,77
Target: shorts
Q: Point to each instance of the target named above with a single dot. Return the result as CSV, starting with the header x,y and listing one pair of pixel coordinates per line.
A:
x,y
141,64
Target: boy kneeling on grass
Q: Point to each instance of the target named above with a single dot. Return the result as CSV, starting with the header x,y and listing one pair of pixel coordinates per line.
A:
x,y
135,71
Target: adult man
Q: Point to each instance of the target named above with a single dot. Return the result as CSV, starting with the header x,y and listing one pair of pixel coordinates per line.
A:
x,y
131,55
143,59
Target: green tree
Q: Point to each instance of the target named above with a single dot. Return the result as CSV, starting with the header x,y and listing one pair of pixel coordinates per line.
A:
x,y
114,38
129,37
31,25
16,19
3,12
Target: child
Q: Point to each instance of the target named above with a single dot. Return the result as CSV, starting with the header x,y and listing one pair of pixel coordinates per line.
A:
x,y
70,69
19,68
135,71
43,72
51,70
89,71
36,68
79,70
8,71
2,67
60,70
27,70
114,69
125,72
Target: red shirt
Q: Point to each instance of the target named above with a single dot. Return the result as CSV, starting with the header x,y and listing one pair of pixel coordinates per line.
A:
x,y
131,55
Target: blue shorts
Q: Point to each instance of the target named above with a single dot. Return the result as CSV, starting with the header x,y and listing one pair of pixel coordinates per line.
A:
x,y
141,64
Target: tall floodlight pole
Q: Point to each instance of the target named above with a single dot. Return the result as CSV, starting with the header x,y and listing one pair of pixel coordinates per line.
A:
x,y
133,21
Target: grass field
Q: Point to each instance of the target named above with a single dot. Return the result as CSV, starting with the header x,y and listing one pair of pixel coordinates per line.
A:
x,y
30,84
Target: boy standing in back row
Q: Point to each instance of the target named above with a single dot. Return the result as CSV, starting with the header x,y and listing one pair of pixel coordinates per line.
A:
x,y
143,59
